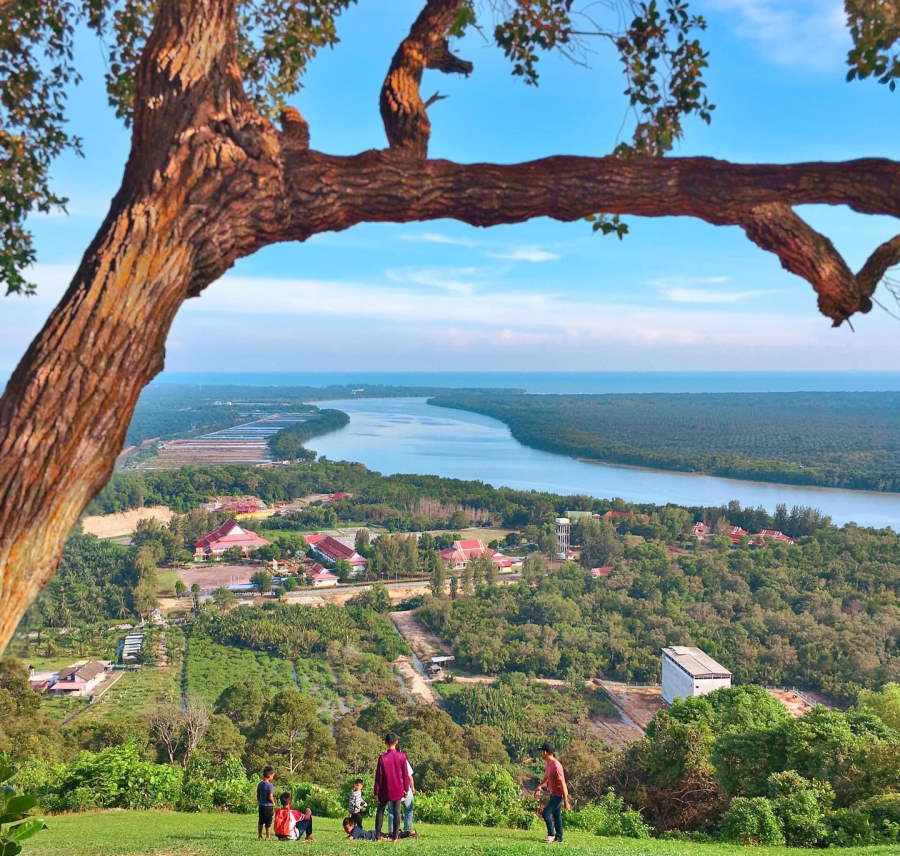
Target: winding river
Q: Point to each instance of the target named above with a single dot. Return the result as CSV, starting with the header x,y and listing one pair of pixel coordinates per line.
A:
x,y
407,435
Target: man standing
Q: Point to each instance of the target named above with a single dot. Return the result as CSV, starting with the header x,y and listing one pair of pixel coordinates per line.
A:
x,y
391,784
554,782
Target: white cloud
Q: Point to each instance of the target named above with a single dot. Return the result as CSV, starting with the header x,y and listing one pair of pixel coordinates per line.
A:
x,y
679,281
443,279
525,254
438,238
699,295
809,34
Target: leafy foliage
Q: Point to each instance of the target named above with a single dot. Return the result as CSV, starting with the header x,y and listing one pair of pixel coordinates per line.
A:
x,y
15,824
875,29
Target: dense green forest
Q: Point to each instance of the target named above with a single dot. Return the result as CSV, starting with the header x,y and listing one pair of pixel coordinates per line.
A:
x,y
287,444
835,439
822,614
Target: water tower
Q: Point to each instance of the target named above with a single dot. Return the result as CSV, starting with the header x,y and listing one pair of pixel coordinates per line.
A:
x,y
563,528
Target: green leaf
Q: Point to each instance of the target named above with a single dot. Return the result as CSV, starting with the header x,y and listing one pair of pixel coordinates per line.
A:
x,y
9,848
26,829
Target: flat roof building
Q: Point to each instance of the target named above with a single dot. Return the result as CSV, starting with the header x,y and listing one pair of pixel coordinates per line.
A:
x,y
688,671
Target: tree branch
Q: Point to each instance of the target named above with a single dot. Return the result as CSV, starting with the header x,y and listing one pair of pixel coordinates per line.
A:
x,y
402,109
331,193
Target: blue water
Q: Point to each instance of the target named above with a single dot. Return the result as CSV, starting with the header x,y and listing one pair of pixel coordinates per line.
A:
x,y
566,382
407,435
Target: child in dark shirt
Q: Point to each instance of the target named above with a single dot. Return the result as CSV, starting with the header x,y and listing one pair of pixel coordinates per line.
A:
x,y
265,800
355,831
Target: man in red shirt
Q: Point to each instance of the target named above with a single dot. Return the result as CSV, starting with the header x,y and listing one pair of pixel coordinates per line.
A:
x,y
554,782
391,784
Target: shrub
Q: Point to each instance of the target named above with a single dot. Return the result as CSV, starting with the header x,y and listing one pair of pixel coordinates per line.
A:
x,y
114,778
323,802
884,811
610,817
848,827
492,798
800,805
208,786
751,820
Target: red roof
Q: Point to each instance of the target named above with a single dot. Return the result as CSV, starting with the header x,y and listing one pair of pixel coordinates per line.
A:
x,y
777,535
340,495
605,571
230,534
313,539
335,550
322,575
735,533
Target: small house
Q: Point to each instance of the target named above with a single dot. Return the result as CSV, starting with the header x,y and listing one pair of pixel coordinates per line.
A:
x,y
687,671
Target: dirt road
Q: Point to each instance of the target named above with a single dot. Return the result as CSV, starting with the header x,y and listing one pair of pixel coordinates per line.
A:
x,y
123,522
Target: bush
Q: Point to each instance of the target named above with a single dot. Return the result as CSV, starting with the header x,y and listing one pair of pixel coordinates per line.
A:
x,y
323,802
112,778
610,817
884,812
849,828
800,805
208,786
492,798
751,820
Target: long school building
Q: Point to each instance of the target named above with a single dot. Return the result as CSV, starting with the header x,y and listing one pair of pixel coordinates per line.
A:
x,y
688,671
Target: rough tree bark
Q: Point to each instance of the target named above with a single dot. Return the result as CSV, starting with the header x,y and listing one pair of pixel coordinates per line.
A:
x,y
209,180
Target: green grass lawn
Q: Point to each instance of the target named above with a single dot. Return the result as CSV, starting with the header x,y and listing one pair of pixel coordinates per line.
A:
x,y
165,582
169,833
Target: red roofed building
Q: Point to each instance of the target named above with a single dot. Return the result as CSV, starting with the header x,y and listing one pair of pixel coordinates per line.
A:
x,y
332,550
735,533
775,535
605,571
79,680
699,530
229,534
462,552
321,577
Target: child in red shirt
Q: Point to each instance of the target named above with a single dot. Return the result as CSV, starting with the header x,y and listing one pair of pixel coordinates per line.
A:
x,y
290,824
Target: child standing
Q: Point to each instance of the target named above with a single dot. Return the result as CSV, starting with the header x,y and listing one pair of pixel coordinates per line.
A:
x,y
265,800
356,803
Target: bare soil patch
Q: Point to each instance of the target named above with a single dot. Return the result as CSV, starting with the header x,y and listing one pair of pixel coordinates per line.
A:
x,y
639,704
210,577
123,522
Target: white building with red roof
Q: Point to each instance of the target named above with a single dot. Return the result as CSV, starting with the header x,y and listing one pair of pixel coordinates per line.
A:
x,y
321,577
461,552
700,530
605,571
79,680
229,534
775,535
735,533
331,550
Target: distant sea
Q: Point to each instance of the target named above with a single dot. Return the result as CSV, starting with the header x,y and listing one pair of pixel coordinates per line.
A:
x,y
566,382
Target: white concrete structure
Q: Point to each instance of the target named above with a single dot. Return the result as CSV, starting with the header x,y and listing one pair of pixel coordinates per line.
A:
x,y
687,671
563,530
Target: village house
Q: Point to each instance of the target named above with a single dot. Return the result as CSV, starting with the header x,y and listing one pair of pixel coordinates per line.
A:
x,y
320,577
701,532
331,551
229,534
605,571
688,671
460,553
79,680
765,534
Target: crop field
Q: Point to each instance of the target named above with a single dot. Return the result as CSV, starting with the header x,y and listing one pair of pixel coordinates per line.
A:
x,y
211,668
131,833
138,692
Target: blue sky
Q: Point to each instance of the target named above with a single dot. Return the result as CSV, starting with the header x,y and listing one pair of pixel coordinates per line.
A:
x,y
676,294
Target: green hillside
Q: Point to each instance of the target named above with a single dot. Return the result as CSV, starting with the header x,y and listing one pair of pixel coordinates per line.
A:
x,y
173,834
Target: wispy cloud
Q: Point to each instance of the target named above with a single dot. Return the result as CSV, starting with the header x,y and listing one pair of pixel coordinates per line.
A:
x,y
525,254
443,279
438,238
690,289
699,295
680,281
809,34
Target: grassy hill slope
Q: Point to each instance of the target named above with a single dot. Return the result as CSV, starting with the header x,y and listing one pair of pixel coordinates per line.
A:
x,y
170,833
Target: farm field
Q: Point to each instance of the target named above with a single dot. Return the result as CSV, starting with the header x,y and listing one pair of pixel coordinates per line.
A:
x,y
212,667
131,833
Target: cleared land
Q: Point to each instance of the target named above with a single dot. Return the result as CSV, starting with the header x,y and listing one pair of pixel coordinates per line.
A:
x,y
241,444
123,522
128,833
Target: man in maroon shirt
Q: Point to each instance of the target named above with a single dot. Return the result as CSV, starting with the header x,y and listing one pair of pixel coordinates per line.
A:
x,y
391,784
